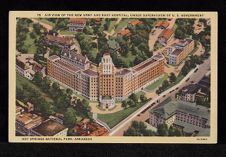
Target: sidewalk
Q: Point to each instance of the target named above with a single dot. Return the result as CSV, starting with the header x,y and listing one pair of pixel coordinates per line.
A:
x,y
133,115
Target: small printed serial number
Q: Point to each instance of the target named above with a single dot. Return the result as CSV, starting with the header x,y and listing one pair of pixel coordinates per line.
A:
x,y
201,139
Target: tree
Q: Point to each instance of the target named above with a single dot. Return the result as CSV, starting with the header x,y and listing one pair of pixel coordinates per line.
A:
x,y
37,78
32,35
30,94
136,39
44,107
19,93
184,70
37,28
54,50
172,77
177,132
134,97
131,103
70,117
69,92
83,108
88,30
61,24
98,58
124,104
21,34
171,131
85,102
204,21
148,132
165,84
62,101
138,60
138,129
143,98
41,49
130,132
179,33
45,84
162,130
55,90
158,91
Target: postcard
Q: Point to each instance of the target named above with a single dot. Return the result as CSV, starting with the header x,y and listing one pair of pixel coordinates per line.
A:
x,y
112,77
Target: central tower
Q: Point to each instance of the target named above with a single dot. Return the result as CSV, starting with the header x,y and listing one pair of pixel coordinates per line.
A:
x,y
107,81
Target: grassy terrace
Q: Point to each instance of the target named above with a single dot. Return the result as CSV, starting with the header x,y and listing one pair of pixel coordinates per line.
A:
x,y
179,78
20,81
113,119
157,83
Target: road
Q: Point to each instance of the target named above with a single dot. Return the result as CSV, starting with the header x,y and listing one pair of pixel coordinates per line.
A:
x,y
139,116
113,30
48,27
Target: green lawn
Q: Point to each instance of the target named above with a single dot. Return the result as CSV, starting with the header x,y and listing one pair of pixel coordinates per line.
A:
x,y
157,83
66,32
179,78
29,43
139,93
157,46
20,81
113,119
122,23
111,26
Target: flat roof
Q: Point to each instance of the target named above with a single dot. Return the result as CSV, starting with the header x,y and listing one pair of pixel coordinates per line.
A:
x,y
190,89
90,72
49,128
176,52
190,128
68,66
53,57
28,120
122,72
167,33
142,66
168,109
